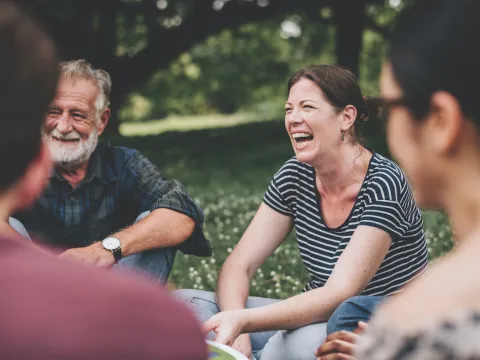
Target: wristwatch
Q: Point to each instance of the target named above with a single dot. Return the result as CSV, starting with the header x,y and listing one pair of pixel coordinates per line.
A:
x,y
113,244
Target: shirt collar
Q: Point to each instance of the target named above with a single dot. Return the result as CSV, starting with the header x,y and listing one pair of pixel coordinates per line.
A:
x,y
101,166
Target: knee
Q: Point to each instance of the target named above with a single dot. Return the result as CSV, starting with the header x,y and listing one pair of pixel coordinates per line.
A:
x,y
142,215
345,315
299,351
201,302
186,295
18,227
299,344
199,299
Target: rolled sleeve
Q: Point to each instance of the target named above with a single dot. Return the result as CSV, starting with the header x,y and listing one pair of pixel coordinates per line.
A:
x,y
150,190
177,199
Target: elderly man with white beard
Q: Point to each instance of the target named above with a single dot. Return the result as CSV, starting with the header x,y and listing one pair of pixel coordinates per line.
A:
x,y
104,204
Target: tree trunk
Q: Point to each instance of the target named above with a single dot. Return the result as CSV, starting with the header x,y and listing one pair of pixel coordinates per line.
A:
x,y
113,127
349,19
118,97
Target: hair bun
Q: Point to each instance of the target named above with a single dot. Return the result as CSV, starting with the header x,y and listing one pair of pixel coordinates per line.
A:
x,y
366,110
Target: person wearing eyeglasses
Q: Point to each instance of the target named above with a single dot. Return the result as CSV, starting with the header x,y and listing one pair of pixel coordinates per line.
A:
x,y
430,84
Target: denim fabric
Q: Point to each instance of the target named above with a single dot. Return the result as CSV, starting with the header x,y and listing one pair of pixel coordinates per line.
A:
x,y
351,311
299,344
156,264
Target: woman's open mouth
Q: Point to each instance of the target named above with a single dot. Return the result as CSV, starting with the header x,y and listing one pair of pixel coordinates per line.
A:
x,y
302,139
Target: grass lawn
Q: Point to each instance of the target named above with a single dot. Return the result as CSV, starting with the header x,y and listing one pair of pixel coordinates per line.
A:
x,y
227,171
187,123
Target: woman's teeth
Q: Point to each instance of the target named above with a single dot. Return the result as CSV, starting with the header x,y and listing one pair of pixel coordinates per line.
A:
x,y
301,137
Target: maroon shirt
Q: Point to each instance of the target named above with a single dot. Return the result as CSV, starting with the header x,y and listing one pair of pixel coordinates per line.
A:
x,y
54,309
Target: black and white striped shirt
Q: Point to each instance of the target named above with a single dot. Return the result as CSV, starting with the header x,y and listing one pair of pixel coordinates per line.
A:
x,y
385,201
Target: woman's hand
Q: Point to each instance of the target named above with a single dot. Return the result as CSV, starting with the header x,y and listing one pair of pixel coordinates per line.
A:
x,y
242,344
227,324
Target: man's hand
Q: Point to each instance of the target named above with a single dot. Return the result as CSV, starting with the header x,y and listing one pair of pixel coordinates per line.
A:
x,y
243,344
227,324
94,254
341,344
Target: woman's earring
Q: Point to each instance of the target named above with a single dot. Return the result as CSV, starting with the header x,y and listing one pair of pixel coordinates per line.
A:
x,y
342,137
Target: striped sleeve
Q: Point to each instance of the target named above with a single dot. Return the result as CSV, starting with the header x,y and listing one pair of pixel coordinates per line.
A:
x,y
384,208
275,194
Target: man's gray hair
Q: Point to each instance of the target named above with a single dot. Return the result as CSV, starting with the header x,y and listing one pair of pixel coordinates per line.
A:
x,y
82,69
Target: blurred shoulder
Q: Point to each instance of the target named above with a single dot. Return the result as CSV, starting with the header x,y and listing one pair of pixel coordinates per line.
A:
x,y
448,287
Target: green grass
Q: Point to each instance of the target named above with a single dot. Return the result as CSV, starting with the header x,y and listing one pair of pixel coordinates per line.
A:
x,y
227,171
187,123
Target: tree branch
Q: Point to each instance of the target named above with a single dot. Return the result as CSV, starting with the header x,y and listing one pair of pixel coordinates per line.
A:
x,y
202,21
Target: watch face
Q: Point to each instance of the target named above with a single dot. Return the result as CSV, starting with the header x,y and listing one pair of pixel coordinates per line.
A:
x,y
111,243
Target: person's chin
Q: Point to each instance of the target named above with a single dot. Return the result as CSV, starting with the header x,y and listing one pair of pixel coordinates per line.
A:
x,y
426,196
63,156
424,201
305,154
305,157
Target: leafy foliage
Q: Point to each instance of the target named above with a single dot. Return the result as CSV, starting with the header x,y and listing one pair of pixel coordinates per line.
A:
x,y
237,69
246,69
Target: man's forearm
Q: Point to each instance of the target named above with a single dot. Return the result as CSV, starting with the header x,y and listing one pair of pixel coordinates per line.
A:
x,y
162,228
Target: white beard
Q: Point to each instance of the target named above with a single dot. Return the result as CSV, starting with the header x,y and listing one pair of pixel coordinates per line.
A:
x,y
71,155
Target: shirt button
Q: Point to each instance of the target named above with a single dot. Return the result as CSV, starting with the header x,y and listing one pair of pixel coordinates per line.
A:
x,y
72,198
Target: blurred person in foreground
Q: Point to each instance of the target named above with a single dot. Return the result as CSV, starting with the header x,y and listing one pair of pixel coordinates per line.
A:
x,y
106,204
430,85
52,308
358,228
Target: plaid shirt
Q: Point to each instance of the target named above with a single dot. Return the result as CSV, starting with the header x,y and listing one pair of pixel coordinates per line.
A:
x,y
120,184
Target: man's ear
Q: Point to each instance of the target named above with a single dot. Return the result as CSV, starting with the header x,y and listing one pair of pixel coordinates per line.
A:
x,y
444,125
35,179
104,117
349,116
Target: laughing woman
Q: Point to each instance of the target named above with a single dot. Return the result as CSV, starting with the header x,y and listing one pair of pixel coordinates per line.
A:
x,y
358,228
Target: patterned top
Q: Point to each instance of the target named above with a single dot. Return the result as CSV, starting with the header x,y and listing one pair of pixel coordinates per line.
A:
x,y
385,201
456,338
120,184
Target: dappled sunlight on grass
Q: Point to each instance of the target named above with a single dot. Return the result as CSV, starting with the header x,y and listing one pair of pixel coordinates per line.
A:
x,y
187,123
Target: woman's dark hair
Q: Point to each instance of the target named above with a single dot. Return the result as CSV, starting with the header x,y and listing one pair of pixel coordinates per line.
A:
x,y
340,88
434,47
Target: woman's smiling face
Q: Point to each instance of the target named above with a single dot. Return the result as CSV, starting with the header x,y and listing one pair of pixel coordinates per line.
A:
x,y
313,124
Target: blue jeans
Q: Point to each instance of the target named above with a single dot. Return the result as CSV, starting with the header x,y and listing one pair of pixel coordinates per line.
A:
x,y
299,344
351,311
156,263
